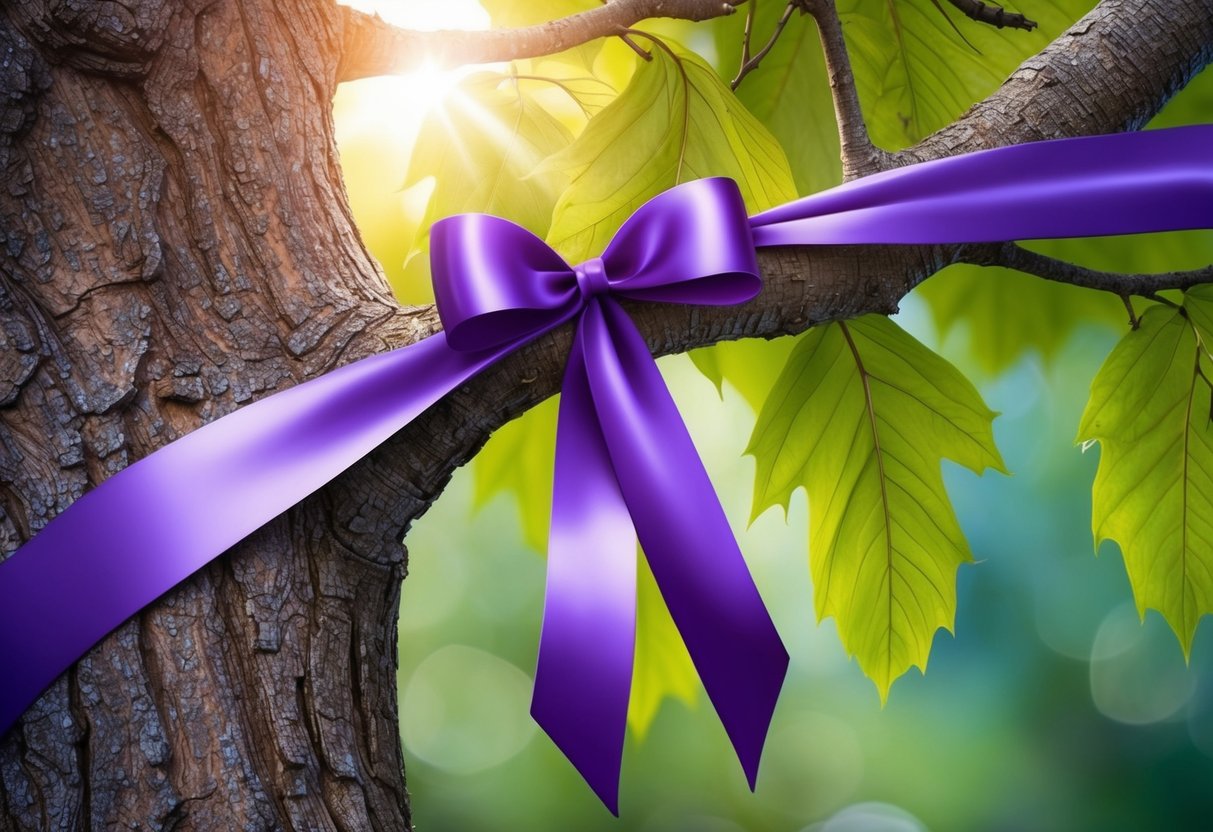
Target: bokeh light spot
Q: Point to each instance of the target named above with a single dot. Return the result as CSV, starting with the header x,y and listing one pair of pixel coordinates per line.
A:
x,y
460,707
812,765
1138,675
870,817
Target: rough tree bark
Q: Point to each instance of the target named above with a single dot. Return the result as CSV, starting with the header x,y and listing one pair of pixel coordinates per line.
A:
x,y
175,241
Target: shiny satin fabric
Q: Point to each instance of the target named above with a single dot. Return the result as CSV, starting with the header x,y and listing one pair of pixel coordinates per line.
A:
x,y
625,467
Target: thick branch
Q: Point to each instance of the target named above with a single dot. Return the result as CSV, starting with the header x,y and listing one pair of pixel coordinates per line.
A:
x,y
859,156
1015,256
373,47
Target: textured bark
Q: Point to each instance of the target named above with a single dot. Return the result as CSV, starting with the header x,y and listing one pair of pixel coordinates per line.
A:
x,y
176,242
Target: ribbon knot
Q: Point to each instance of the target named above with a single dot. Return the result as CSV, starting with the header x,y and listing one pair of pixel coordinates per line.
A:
x,y
625,466
591,278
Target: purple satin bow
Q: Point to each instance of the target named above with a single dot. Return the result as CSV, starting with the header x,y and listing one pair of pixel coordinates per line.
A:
x,y
625,467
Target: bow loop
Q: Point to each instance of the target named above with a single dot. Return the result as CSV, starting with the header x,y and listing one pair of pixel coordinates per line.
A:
x,y
495,282
690,244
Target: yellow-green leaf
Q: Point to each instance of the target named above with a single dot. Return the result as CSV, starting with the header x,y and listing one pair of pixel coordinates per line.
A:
x,y
482,147
916,73
861,417
789,92
662,667
1150,412
750,365
518,460
674,122
1006,313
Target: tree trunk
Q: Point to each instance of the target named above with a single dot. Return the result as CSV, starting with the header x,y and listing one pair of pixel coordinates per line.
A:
x,y
175,241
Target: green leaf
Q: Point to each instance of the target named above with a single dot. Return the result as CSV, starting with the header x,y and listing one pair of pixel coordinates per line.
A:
x,y
1150,412
1006,313
662,667
750,365
789,92
674,122
519,460
861,417
482,147
916,74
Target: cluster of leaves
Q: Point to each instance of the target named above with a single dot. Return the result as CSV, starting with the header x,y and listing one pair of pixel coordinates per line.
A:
x,y
859,414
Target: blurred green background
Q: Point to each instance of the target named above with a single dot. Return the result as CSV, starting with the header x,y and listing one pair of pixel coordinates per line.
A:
x,y
1052,708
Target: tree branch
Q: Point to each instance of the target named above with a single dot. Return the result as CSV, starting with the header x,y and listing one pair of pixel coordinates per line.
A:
x,y
373,47
750,63
859,156
1015,256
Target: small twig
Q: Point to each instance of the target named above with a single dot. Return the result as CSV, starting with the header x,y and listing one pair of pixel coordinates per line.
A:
x,y
1134,321
747,34
859,156
371,46
637,48
993,15
955,28
1015,256
748,65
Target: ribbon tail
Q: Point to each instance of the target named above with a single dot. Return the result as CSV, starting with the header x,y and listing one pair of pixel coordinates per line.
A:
x,y
584,672
684,533
1124,183
150,526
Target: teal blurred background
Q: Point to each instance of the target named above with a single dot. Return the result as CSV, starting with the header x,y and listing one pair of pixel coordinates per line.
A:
x,y
1052,708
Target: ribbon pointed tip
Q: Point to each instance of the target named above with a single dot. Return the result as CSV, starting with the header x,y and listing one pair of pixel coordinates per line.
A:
x,y
748,726
609,795
596,754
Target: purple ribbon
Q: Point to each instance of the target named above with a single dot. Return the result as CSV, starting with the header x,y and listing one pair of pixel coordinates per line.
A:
x,y
625,466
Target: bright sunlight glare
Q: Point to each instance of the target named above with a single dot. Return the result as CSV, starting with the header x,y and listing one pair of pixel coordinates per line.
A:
x,y
377,120
398,104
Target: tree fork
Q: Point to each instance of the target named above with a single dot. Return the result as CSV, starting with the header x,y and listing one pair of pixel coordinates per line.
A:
x,y
177,242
